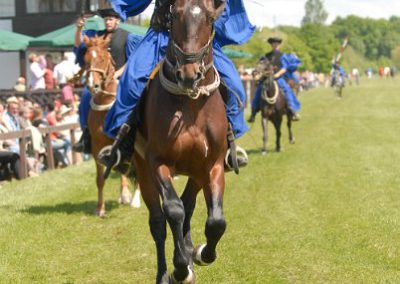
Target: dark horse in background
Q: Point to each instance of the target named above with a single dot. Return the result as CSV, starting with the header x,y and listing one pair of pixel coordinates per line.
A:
x,y
273,105
102,85
184,126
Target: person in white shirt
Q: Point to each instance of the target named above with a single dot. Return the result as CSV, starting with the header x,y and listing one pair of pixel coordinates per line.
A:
x,y
37,73
63,71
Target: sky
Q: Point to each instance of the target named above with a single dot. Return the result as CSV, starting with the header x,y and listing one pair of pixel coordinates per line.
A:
x,y
290,12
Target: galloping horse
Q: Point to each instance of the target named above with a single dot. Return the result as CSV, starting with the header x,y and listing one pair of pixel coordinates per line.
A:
x,y
185,127
273,105
103,86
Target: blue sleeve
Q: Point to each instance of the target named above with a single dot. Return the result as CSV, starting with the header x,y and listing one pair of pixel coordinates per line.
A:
x,y
233,26
131,43
290,62
129,8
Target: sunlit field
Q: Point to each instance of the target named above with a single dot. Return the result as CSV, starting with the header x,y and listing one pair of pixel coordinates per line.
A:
x,y
325,210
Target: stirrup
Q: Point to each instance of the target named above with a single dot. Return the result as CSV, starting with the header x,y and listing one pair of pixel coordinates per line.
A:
x,y
104,158
241,157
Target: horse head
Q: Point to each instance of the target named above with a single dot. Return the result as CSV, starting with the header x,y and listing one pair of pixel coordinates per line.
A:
x,y
191,39
265,71
99,63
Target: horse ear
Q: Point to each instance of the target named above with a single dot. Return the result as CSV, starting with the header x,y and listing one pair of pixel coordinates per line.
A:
x,y
107,39
86,40
219,7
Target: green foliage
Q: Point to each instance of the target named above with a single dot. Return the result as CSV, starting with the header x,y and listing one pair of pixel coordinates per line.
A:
x,y
396,56
315,13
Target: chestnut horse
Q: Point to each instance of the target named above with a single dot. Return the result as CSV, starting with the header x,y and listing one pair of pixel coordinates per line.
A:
x,y
273,105
102,85
184,126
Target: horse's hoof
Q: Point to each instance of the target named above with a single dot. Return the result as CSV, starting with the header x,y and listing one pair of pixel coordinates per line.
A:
x,y
278,150
135,202
293,141
264,152
100,213
190,279
126,197
196,256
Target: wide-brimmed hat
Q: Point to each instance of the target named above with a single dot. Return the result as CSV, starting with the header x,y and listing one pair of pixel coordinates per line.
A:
x,y
108,13
12,99
272,40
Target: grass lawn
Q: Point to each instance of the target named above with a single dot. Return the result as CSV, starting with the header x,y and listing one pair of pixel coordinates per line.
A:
x,y
325,210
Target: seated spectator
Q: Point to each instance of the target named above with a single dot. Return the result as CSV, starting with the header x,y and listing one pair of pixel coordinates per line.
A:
x,y
11,123
20,85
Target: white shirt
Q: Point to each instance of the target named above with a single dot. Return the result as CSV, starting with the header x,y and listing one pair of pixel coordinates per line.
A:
x,y
63,71
37,78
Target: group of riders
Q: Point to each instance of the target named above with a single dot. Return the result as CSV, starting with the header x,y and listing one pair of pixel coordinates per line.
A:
x,y
136,57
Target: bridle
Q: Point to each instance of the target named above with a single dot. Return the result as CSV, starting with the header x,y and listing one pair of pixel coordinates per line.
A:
x,y
105,78
266,76
181,57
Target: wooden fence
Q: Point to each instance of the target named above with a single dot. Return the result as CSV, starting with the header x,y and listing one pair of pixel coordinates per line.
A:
x,y
23,135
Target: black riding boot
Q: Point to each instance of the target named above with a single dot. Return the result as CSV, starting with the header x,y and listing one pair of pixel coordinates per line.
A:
x,y
123,146
232,161
84,144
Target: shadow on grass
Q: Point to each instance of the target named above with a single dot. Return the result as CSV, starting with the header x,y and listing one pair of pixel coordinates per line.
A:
x,y
87,207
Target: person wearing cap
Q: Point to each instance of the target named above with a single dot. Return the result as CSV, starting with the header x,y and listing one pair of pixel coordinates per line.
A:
x,y
231,28
121,46
280,63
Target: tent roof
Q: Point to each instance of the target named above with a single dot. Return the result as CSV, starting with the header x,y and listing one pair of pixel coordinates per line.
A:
x,y
234,53
64,37
10,41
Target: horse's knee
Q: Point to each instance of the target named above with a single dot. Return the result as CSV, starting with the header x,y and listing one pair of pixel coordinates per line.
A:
x,y
174,210
215,227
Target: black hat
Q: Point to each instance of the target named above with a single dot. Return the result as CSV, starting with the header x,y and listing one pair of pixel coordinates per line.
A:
x,y
108,13
272,40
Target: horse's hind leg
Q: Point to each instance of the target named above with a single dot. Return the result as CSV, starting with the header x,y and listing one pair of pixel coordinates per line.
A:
x,y
125,195
189,202
100,209
135,202
264,123
215,224
289,125
175,215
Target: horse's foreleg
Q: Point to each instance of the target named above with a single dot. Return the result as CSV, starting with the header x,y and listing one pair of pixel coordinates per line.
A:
x,y
278,123
215,224
264,123
175,215
157,221
189,202
125,194
135,203
289,125
100,209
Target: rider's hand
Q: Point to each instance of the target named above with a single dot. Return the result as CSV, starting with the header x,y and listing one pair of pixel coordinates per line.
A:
x,y
80,23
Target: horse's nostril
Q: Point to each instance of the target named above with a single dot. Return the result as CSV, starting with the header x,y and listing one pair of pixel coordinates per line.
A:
x,y
96,86
199,76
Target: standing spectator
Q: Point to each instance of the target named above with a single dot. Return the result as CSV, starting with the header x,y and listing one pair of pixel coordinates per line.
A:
x,y
20,86
63,71
67,93
356,75
37,73
49,75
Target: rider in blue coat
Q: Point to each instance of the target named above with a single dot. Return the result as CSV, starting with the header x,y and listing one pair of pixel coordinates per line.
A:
x,y
121,46
283,64
232,27
337,68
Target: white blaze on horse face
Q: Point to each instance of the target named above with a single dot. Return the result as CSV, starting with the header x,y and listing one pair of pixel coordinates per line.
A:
x,y
94,54
91,80
196,10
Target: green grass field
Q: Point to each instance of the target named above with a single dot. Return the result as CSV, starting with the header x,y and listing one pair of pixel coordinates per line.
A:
x,y
325,210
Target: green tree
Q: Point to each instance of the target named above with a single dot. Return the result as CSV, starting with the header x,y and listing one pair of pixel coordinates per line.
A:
x,y
315,13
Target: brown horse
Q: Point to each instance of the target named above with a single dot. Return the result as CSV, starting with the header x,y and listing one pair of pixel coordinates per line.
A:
x,y
102,85
273,105
185,127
